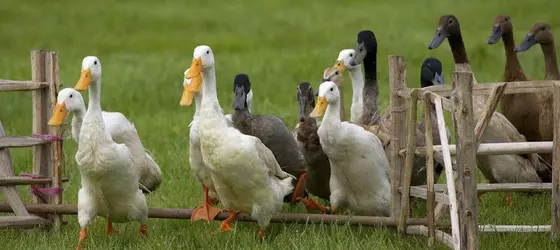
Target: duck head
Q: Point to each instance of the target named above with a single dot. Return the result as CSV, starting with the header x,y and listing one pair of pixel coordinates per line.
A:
x,y
540,33
344,58
333,74
448,25
203,59
68,100
306,100
91,71
502,24
431,73
328,93
241,89
366,44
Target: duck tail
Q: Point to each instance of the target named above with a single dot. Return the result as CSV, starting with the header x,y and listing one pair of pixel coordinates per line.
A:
x,y
285,187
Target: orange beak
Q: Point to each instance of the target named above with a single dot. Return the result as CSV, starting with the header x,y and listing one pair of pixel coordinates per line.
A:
x,y
85,80
320,107
195,69
190,89
60,112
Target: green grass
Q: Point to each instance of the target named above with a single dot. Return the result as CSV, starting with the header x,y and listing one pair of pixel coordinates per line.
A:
x,y
146,45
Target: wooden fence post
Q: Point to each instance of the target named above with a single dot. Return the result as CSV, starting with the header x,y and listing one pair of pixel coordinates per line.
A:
x,y
397,77
555,229
56,164
466,158
410,147
431,195
41,153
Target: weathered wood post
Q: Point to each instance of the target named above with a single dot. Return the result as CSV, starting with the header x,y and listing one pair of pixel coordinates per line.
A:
x,y
431,195
410,148
56,164
397,78
41,153
466,158
555,229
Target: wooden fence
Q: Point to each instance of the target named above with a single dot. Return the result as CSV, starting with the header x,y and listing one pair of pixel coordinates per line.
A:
x,y
46,144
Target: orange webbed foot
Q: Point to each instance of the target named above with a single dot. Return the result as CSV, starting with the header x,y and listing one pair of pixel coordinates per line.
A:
x,y
144,230
82,238
110,229
205,212
311,205
261,234
299,188
226,224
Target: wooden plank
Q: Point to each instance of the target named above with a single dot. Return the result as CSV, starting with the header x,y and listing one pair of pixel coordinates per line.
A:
x,y
466,157
555,229
20,141
485,88
489,109
12,85
410,145
40,115
430,175
501,148
6,169
185,213
422,193
55,164
449,176
501,187
17,180
397,78
22,221
441,236
514,228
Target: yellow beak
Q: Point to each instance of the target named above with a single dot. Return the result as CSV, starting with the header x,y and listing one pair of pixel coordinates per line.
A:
x,y
85,80
320,107
339,65
60,112
195,69
190,89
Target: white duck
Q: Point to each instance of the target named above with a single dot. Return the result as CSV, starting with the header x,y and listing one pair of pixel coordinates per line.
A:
x,y
122,131
206,211
359,167
355,72
245,173
109,180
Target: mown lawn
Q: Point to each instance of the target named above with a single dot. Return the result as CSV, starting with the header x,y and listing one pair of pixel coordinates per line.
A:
x,y
145,46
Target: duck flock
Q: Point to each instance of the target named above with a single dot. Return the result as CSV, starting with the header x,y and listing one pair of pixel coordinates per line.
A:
x,y
253,164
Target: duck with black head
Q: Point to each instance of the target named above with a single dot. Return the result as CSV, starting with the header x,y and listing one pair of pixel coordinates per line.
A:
x,y
496,168
366,54
541,33
523,109
273,133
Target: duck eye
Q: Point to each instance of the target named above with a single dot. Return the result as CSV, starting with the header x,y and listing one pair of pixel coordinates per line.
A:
x,y
208,52
95,62
543,28
450,21
332,89
71,95
351,54
507,19
336,73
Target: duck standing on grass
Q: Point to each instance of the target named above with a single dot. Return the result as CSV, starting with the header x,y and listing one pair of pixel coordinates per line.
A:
x,y
109,177
244,171
359,167
273,133
318,165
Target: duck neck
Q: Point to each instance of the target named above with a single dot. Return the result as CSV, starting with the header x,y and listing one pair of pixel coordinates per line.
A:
x,y
77,119
240,116
551,65
357,85
371,90
197,103
458,48
209,95
94,93
512,62
332,114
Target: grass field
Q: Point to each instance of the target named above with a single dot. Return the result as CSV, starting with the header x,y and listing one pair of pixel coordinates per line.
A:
x,y
145,46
